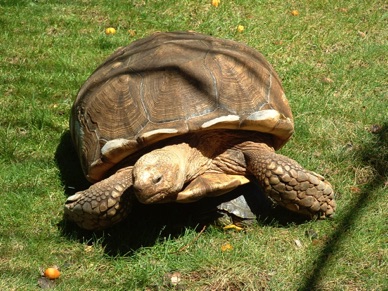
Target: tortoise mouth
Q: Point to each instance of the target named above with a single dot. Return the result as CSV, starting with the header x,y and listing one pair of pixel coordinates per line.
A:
x,y
162,197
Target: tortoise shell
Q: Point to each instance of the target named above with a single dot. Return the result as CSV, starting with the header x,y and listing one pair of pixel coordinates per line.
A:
x,y
170,84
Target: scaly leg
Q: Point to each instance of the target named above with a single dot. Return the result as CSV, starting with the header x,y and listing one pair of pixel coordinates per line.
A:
x,y
289,184
102,204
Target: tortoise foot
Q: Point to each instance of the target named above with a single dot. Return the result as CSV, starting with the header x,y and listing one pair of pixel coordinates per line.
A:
x,y
102,204
290,185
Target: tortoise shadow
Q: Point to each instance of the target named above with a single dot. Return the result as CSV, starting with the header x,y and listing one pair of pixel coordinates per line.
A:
x,y
374,155
148,224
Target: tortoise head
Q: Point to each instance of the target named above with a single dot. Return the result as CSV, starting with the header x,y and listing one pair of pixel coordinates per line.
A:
x,y
158,176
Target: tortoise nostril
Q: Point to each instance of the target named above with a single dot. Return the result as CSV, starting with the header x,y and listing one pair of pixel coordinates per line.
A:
x,y
157,179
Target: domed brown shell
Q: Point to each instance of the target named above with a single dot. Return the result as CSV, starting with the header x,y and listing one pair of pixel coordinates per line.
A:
x,y
170,84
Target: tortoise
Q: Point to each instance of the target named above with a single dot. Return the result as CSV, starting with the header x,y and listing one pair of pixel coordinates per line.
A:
x,y
178,116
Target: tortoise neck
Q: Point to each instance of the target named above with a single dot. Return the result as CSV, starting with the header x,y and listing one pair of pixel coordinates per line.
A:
x,y
191,159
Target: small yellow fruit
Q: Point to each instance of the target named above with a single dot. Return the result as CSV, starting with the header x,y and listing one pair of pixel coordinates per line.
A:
x,y
52,273
226,247
294,12
240,28
110,30
215,3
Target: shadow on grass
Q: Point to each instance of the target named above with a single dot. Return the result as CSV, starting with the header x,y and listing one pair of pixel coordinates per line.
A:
x,y
374,155
148,224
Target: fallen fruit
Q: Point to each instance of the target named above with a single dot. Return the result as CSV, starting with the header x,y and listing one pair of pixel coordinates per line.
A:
x,y
226,247
240,28
215,3
52,273
110,30
294,12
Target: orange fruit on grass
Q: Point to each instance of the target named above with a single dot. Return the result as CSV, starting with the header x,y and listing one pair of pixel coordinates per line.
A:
x,y
52,273
215,3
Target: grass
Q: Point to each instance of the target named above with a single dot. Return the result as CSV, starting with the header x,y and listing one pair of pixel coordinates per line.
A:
x,y
332,60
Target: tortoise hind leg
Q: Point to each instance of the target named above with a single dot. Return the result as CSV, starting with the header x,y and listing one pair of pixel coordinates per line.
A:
x,y
102,204
289,184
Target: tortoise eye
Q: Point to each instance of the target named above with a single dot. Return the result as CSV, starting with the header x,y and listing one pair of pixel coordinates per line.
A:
x,y
157,179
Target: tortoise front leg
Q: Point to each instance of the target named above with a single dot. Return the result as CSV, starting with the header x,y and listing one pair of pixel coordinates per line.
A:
x,y
289,184
102,204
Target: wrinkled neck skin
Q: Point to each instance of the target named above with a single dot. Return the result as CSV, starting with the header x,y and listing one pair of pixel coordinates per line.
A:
x,y
189,160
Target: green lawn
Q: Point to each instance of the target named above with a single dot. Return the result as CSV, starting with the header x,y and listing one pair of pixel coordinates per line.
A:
x,y
332,58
